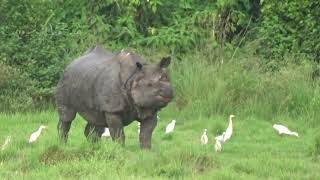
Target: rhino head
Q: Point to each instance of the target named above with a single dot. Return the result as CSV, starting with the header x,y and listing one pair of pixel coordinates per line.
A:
x,y
151,88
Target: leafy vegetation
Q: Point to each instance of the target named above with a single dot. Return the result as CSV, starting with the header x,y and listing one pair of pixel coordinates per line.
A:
x,y
290,27
41,37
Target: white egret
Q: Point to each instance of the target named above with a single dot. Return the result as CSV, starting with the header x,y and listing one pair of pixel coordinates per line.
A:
x,y
34,136
228,133
6,142
220,137
284,130
218,146
219,142
106,133
204,137
170,127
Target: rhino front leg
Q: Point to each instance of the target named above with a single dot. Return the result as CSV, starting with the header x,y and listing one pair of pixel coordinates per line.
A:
x,y
66,116
115,127
146,129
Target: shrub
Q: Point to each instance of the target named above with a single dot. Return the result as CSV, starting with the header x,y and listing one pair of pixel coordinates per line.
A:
x,y
15,90
234,18
290,27
41,37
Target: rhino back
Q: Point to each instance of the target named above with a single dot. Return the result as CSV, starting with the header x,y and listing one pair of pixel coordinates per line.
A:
x,y
89,81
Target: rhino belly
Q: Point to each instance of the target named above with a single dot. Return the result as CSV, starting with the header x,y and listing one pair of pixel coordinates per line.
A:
x,y
94,117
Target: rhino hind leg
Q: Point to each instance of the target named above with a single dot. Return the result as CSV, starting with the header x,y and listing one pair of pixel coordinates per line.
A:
x,y
115,125
99,130
66,116
88,129
92,132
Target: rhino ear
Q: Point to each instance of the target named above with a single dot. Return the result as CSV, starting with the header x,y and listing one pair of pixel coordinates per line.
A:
x,y
139,65
165,62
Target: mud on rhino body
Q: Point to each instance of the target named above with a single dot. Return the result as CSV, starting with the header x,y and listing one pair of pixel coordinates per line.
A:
x,y
112,90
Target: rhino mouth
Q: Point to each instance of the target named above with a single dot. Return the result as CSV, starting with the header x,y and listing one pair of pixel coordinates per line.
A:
x,y
165,99
165,94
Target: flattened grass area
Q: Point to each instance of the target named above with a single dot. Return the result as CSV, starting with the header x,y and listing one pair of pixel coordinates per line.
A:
x,y
254,152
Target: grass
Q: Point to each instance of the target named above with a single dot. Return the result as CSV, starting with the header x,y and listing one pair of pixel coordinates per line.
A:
x,y
254,152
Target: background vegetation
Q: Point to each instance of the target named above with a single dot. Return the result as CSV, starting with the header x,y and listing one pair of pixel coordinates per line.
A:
x,y
41,37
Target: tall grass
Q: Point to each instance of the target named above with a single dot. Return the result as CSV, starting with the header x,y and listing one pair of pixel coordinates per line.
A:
x,y
244,86
213,81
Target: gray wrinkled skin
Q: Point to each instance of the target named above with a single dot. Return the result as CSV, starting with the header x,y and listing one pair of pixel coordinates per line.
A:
x,y
112,90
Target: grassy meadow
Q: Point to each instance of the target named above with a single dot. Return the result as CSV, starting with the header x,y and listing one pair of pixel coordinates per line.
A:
x,y
206,93
254,152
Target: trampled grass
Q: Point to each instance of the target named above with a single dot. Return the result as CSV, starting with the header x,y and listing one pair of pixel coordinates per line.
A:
x,y
254,152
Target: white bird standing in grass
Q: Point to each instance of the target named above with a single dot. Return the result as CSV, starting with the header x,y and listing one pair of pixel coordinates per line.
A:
x,y
204,137
106,133
220,138
6,142
224,136
228,133
284,130
219,142
34,136
170,127
218,146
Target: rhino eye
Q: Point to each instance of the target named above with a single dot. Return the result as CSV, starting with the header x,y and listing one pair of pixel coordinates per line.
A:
x,y
149,83
163,77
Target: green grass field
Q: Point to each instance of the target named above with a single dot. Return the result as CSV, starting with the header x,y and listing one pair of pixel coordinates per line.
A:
x,y
254,152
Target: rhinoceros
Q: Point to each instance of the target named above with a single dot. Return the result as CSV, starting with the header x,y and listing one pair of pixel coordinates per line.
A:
x,y
113,90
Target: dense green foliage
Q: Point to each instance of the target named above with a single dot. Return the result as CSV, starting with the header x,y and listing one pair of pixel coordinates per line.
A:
x,y
40,37
290,27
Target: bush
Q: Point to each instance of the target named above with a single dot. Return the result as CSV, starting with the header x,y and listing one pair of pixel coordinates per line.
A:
x,y
290,27
36,43
234,18
43,36
15,90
